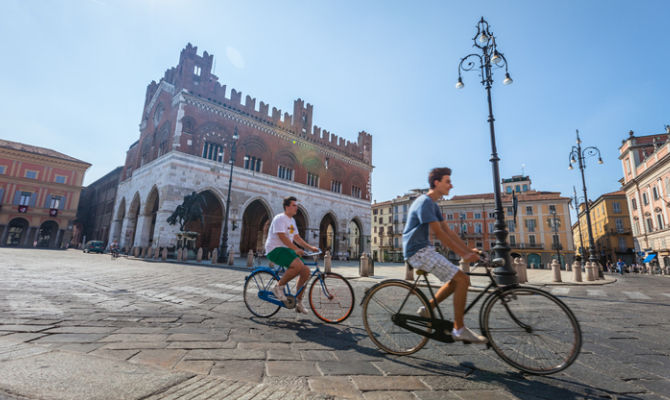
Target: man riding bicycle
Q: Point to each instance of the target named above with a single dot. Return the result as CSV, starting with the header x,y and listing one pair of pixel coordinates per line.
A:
x,y
425,216
281,249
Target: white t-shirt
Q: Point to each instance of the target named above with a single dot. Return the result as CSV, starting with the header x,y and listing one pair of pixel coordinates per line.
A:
x,y
281,223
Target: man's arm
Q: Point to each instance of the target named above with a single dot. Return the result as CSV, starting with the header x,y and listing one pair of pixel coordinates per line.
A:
x,y
451,240
284,239
303,243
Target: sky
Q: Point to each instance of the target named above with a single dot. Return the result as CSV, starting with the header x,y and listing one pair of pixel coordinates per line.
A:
x,y
74,76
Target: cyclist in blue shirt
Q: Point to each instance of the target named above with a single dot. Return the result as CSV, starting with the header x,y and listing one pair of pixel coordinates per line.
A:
x,y
424,218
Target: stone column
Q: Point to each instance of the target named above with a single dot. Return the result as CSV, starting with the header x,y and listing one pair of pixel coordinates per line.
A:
x,y
521,270
250,259
327,261
556,270
409,273
589,272
363,266
577,271
141,236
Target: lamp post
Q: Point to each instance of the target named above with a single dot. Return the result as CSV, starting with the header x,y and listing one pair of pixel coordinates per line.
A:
x,y
223,251
491,58
557,241
579,155
579,224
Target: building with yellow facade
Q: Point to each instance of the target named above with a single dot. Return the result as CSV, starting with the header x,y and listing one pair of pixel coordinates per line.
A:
x,y
610,224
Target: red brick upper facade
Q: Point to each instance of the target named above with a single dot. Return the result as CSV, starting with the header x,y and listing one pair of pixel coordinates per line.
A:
x,y
189,111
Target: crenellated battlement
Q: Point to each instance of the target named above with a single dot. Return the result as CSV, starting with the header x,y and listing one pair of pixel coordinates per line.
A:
x,y
194,73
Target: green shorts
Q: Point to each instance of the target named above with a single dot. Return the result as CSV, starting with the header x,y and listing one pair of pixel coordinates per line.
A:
x,y
282,256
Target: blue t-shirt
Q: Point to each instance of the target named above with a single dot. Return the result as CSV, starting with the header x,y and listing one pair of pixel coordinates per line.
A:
x,y
421,213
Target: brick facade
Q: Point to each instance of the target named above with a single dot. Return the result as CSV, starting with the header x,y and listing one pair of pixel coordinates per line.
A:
x,y
39,194
185,145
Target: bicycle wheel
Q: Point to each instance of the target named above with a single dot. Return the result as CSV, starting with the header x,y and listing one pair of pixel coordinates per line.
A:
x,y
532,330
381,306
331,298
256,282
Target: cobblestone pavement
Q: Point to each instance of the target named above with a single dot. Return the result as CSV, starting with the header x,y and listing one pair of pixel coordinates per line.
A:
x,y
88,326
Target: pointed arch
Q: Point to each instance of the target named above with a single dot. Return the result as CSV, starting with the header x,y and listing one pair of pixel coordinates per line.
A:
x,y
328,233
256,218
209,229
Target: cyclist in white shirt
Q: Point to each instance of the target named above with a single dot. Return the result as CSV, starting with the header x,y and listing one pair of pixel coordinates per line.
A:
x,y
281,249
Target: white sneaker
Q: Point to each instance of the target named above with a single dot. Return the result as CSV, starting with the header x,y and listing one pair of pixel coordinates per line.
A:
x,y
423,312
278,291
468,336
300,309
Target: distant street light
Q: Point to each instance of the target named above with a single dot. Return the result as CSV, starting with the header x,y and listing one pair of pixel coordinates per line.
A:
x,y
223,251
557,240
491,58
577,154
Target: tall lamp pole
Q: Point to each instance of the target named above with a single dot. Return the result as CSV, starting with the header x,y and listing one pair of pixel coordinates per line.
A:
x,y
579,224
491,58
579,155
223,251
557,242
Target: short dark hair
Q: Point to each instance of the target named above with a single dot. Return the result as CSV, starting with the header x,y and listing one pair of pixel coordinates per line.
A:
x,y
436,174
287,201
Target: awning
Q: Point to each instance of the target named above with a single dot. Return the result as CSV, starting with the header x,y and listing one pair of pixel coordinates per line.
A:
x,y
649,258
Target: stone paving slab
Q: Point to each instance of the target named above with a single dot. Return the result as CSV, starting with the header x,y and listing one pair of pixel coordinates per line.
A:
x,y
64,375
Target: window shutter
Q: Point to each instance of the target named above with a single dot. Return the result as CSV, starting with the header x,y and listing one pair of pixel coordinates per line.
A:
x,y
33,200
61,205
47,202
17,198
2,194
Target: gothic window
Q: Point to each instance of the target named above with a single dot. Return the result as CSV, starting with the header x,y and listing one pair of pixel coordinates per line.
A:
x,y
212,151
356,192
197,70
336,186
313,180
285,173
252,163
158,114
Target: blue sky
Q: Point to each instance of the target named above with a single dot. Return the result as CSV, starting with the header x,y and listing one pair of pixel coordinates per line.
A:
x,y
74,75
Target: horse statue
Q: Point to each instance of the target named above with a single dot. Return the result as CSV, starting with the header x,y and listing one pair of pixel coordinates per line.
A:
x,y
189,210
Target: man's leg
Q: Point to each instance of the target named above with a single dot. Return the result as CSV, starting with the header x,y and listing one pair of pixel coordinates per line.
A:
x,y
296,268
461,283
445,291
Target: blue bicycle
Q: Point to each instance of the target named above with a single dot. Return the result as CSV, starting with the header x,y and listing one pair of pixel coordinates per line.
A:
x,y
331,297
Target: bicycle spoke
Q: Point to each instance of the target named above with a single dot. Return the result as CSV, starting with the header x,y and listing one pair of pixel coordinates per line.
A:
x,y
258,282
331,298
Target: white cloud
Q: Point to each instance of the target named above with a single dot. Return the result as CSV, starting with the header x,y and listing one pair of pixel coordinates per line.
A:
x,y
235,57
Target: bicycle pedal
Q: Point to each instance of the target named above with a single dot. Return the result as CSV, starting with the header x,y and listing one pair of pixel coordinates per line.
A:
x,y
466,342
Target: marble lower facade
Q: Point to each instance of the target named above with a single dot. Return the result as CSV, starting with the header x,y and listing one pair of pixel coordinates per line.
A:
x,y
332,221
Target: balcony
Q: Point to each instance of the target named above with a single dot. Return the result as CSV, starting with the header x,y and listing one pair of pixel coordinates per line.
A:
x,y
528,246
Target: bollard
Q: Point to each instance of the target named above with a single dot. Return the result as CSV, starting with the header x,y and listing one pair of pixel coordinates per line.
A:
x,y
136,251
198,257
215,255
521,270
363,266
600,274
577,271
179,251
164,254
371,266
409,272
556,269
250,259
231,257
465,267
327,261
157,253
589,272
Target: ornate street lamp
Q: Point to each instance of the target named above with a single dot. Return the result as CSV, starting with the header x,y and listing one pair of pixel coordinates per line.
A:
x,y
557,241
223,250
491,58
577,154
579,224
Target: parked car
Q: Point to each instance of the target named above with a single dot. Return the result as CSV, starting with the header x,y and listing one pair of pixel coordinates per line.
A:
x,y
94,246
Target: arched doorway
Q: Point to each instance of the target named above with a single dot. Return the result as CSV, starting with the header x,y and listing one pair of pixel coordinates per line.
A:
x,y
16,232
151,210
255,224
301,221
212,216
47,234
355,240
133,215
118,221
534,260
327,232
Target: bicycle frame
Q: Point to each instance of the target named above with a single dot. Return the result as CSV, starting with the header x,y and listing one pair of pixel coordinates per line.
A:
x,y
276,272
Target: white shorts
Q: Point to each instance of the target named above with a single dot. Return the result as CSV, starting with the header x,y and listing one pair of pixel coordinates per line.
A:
x,y
429,260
